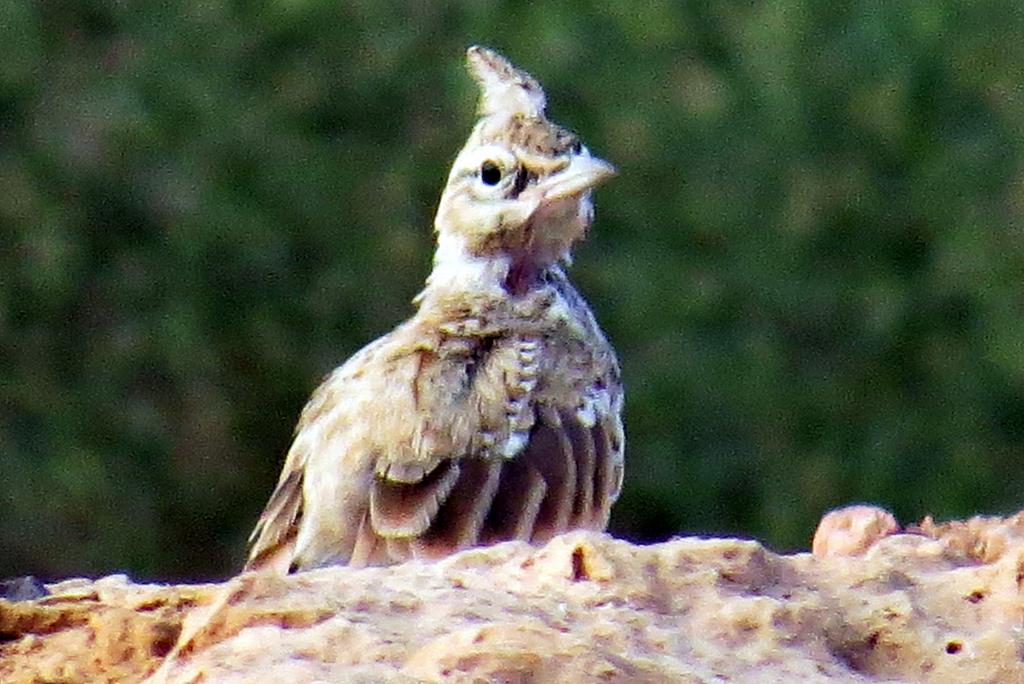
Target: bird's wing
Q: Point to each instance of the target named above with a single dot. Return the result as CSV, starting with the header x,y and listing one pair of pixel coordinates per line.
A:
x,y
567,475
273,539
544,459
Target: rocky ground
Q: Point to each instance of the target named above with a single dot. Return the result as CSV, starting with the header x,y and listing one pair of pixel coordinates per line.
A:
x,y
872,603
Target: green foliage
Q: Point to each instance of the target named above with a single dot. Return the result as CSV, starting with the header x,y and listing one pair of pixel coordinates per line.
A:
x,y
810,263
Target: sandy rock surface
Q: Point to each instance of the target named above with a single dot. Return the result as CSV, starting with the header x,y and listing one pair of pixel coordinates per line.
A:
x,y
935,603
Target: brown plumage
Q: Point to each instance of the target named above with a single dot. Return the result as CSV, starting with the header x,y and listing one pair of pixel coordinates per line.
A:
x,y
494,413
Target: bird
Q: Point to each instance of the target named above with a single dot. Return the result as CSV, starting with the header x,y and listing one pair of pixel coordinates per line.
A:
x,y
495,412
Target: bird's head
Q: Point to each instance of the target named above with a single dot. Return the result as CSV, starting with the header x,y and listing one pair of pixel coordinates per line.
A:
x,y
519,191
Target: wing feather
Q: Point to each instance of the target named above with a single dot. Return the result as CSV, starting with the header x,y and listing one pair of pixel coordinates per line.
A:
x,y
549,451
407,508
273,538
368,548
608,467
458,523
516,503
585,456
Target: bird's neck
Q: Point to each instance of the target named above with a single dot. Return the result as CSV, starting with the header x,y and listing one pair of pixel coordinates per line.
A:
x,y
457,272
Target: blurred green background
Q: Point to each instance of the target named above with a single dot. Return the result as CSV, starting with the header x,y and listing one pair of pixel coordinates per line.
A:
x,y
810,264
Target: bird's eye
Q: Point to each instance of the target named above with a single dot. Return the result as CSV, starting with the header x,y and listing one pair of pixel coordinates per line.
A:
x,y
490,173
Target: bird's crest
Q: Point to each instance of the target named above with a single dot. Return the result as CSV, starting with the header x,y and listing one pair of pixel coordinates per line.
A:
x,y
504,89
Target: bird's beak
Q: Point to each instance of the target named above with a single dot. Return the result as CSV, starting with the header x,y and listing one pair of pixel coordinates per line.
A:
x,y
583,173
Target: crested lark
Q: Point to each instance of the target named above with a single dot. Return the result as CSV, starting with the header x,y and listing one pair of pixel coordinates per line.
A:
x,y
494,413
